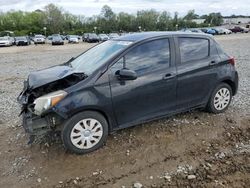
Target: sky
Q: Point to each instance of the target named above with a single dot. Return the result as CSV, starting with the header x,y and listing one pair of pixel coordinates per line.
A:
x,y
93,7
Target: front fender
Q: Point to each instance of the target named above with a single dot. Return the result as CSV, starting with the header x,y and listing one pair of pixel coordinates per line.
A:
x,y
92,98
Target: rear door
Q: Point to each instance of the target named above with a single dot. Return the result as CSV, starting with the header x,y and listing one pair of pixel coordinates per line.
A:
x,y
196,71
153,93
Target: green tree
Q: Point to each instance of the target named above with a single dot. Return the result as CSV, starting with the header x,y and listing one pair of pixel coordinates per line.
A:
x,y
165,21
106,21
54,18
147,20
214,19
191,15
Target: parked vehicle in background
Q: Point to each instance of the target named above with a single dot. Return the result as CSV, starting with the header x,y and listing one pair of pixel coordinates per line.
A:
x,y
196,30
103,37
211,31
113,35
56,35
224,31
92,37
63,37
245,30
73,39
39,39
22,40
5,41
84,37
105,88
31,38
49,37
12,39
57,40
185,30
217,32
239,29
204,30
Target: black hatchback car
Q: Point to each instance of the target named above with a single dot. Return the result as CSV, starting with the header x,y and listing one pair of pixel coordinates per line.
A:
x,y
127,81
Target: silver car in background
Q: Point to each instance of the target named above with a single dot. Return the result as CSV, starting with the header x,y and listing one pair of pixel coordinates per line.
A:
x,y
103,37
39,39
73,39
5,41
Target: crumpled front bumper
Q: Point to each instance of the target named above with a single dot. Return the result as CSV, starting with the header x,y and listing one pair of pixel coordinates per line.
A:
x,y
35,125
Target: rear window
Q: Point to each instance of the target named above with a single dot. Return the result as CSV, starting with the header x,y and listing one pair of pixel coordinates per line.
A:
x,y
192,49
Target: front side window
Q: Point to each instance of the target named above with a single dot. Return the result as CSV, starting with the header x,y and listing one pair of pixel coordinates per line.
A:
x,y
148,56
192,49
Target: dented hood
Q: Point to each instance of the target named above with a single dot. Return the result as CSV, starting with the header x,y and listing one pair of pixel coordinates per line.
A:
x,y
45,76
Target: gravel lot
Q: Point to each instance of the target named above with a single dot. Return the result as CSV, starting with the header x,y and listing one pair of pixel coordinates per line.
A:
x,y
194,149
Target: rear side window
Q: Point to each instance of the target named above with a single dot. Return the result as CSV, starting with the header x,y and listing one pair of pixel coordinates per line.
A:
x,y
192,49
149,56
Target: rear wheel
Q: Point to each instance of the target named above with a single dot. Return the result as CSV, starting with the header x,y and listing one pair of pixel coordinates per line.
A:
x,y
220,99
85,132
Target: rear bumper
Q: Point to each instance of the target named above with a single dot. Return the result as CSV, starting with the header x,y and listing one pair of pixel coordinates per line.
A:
x,y
236,83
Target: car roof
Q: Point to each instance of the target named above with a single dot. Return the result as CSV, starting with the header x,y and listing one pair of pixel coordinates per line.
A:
x,y
147,35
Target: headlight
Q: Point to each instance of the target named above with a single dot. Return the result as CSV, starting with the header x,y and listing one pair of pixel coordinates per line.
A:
x,y
45,102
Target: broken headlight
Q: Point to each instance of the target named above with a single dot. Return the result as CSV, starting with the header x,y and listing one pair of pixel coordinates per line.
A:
x,y
45,102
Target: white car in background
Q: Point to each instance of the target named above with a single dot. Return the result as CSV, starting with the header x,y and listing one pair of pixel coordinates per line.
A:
x,y
225,31
39,39
73,39
5,41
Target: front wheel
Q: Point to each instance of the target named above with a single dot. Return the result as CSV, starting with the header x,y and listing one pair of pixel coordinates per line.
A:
x,y
220,99
85,132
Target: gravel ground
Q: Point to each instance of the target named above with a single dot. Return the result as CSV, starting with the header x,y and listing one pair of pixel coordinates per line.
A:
x,y
194,149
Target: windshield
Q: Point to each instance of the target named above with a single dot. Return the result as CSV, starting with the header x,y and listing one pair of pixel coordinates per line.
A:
x,y
20,38
114,35
97,56
56,38
92,35
3,38
73,36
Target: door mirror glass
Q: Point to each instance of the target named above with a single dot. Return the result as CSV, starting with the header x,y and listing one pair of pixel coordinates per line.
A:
x,y
126,74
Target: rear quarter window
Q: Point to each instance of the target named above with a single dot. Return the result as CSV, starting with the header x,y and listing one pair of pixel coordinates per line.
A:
x,y
192,49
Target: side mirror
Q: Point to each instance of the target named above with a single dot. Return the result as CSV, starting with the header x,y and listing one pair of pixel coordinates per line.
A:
x,y
126,74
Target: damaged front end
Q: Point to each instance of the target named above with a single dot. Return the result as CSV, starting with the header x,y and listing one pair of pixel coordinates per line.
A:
x,y
40,96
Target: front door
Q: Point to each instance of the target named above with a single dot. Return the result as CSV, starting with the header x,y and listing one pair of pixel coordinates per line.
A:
x,y
153,92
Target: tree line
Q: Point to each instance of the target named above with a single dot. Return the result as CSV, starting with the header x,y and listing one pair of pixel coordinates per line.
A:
x,y
53,19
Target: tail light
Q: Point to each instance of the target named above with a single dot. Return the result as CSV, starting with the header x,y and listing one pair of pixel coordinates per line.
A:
x,y
232,61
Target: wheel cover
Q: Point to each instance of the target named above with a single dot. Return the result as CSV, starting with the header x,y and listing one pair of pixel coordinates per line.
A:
x,y
86,133
222,99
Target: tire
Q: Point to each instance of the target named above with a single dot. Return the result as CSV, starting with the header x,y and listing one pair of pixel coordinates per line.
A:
x,y
90,139
220,99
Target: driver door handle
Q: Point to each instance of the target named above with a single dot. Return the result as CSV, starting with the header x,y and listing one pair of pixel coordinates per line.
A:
x,y
168,76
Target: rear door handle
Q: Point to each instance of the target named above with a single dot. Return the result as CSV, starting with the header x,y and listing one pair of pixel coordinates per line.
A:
x,y
168,76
